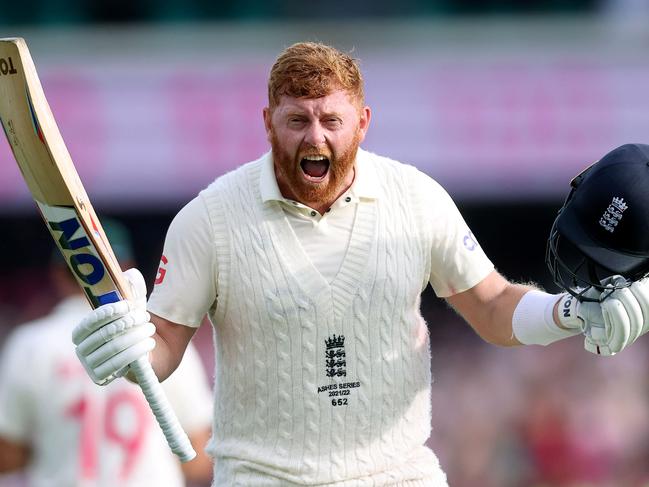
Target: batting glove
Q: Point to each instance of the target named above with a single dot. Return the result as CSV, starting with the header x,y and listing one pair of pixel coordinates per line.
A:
x,y
114,335
614,323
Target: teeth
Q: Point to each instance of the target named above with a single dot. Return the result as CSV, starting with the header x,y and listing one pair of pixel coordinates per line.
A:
x,y
315,158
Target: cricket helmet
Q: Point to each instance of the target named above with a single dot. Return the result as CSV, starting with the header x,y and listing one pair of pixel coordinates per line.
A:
x,y
602,229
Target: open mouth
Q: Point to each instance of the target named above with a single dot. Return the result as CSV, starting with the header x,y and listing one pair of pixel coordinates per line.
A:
x,y
315,168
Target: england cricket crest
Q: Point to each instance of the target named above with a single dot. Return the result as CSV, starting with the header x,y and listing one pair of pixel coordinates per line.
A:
x,y
335,356
335,362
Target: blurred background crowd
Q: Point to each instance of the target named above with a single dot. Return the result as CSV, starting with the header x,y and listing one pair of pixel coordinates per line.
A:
x,y
502,102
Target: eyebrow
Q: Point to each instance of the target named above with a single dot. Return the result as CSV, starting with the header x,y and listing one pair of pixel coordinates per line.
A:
x,y
302,113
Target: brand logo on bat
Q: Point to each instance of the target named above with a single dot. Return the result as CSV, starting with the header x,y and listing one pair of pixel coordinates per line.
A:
x,y
80,254
7,66
84,263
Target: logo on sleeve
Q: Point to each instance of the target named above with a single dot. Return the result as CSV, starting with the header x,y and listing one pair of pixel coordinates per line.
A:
x,y
469,241
161,271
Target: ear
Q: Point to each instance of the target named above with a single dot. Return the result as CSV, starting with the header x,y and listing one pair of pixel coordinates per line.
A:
x,y
364,122
267,121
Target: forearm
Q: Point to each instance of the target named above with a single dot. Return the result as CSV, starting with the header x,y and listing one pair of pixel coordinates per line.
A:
x,y
495,326
171,342
508,314
489,306
163,358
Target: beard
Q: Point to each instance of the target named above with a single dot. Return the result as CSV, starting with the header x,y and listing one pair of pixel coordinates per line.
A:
x,y
310,193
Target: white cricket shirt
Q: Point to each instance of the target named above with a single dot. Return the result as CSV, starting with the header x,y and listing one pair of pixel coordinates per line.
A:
x,y
322,369
189,273
325,237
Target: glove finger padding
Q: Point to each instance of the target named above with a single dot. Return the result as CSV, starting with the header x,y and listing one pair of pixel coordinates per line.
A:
x,y
99,317
640,290
120,362
114,335
625,311
118,344
633,310
111,330
618,325
108,313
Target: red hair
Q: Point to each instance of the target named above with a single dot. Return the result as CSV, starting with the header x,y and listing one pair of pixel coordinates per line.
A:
x,y
313,70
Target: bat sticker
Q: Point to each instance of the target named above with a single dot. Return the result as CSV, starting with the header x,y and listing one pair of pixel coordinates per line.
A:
x,y
79,252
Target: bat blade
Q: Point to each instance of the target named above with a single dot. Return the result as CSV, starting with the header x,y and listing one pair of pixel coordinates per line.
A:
x,y
51,177
54,183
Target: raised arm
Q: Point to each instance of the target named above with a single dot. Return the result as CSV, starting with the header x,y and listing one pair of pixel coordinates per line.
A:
x,y
489,307
508,314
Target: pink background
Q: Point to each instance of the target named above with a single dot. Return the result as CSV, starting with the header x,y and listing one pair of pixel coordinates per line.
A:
x,y
496,129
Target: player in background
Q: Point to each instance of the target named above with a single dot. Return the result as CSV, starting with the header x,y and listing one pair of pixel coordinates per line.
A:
x,y
60,429
310,263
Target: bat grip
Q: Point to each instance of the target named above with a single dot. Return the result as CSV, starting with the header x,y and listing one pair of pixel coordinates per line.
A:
x,y
155,396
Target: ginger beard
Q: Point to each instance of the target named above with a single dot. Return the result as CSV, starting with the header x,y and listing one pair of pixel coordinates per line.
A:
x,y
291,169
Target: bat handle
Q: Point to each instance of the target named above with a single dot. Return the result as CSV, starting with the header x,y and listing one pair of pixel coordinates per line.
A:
x,y
155,396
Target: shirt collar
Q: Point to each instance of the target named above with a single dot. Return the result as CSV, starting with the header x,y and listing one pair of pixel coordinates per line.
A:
x,y
267,181
365,183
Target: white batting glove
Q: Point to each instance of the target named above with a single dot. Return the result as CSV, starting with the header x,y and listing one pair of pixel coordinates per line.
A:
x,y
114,335
613,324
575,314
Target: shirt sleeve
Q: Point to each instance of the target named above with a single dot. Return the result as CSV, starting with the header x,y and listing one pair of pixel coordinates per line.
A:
x,y
16,406
185,286
458,262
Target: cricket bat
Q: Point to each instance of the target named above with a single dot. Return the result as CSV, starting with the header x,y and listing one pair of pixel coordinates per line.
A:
x,y
48,170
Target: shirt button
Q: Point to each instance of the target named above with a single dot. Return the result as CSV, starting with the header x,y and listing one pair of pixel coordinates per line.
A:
x,y
348,199
313,213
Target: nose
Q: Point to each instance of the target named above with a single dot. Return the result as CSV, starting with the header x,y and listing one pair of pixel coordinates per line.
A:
x,y
315,135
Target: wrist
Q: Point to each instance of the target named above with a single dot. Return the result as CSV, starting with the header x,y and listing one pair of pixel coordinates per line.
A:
x,y
533,322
